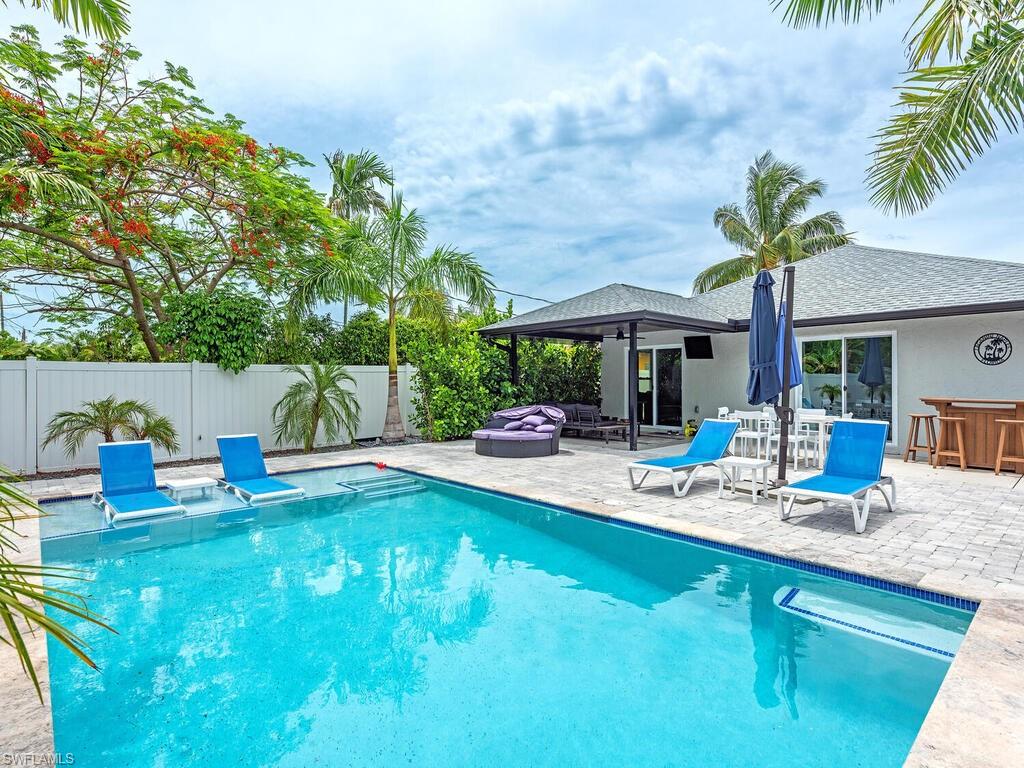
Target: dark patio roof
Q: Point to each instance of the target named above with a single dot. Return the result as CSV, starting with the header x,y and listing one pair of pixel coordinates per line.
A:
x,y
851,284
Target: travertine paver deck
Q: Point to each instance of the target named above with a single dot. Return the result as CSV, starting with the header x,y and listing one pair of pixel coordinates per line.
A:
x,y
959,533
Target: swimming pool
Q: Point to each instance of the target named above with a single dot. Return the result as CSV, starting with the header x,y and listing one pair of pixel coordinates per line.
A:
x,y
441,625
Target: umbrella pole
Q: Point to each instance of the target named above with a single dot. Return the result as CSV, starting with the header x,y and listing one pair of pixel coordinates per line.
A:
x,y
784,412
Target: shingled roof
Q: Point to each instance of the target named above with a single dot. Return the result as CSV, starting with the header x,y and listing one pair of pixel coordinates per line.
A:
x,y
853,283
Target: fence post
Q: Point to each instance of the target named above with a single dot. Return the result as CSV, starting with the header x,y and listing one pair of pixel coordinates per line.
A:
x,y
193,380
31,417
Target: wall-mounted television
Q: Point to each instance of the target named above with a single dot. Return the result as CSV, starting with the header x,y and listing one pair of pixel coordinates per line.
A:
x,y
698,348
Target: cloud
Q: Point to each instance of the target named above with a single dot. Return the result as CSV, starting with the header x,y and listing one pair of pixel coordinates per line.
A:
x,y
573,143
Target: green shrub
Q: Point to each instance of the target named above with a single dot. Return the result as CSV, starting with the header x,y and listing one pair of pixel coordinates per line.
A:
x,y
461,381
227,327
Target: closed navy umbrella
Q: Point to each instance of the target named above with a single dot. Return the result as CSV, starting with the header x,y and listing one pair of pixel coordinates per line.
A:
x,y
763,386
872,372
796,374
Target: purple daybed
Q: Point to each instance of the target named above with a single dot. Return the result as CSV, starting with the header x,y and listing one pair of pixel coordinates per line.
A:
x,y
517,433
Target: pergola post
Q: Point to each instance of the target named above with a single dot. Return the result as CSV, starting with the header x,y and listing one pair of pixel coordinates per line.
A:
x,y
634,383
513,358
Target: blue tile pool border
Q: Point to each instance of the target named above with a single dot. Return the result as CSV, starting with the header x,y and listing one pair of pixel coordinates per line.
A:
x,y
951,601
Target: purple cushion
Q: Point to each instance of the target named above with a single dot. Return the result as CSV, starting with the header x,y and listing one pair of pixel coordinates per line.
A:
x,y
517,434
528,428
512,425
546,428
521,435
536,420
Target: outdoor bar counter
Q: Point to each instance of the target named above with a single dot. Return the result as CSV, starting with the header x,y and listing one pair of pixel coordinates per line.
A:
x,y
981,433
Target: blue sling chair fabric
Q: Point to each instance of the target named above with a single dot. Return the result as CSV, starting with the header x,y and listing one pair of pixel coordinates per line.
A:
x,y
128,479
853,471
245,473
708,446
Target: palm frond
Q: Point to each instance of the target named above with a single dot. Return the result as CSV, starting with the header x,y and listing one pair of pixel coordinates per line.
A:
x,y
723,273
43,183
944,25
730,220
820,13
24,598
108,18
950,115
318,399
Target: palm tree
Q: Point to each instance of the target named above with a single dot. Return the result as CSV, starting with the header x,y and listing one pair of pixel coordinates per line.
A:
x,y
317,398
354,180
770,231
23,599
108,18
390,249
965,84
112,419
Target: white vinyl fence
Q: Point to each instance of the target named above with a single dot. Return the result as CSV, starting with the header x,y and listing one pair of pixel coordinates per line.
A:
x,y
202,400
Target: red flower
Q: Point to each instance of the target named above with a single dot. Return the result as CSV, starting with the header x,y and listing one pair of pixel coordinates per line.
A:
x,y
137,227
36,147
381,466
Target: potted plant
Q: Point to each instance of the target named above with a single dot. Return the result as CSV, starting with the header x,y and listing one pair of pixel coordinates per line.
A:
x,y
831,391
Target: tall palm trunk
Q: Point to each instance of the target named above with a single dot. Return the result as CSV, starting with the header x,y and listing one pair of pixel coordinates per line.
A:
x,y
393,429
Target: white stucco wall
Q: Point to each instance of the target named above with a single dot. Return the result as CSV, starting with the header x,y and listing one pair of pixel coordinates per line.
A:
x,y
932,357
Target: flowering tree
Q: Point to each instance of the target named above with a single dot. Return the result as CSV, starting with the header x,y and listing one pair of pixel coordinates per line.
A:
x,y
123,193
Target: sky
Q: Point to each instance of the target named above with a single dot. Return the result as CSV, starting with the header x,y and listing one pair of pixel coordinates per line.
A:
x,y
574,143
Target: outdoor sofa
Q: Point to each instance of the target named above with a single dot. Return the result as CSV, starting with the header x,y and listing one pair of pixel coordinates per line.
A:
x,y
584,417
523,432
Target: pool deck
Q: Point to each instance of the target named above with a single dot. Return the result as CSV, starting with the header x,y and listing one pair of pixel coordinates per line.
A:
x,y
959,533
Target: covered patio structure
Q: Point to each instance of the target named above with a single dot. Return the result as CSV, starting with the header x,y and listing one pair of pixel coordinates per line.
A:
x,y
944,327
619,312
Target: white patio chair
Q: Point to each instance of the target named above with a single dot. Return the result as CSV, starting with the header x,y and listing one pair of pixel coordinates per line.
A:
x,y
754,426
802,442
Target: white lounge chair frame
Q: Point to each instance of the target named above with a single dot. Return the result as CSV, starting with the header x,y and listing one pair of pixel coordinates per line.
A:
x,y
113,516
687,473
259,498
860,501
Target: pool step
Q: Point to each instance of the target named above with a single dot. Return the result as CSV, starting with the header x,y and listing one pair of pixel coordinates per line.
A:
x,y
864,620
386,485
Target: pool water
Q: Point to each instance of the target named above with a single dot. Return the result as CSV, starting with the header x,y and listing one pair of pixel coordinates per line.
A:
x,y
460,628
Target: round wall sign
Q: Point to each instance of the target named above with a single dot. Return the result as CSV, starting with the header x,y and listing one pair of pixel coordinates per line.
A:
x,y
993,349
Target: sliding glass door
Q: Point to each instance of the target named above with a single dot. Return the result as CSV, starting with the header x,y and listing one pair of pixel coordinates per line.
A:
x,y
660,387
669,404
851,375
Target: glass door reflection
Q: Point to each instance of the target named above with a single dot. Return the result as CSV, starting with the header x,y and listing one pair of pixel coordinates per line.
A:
x,y
669,367
645,388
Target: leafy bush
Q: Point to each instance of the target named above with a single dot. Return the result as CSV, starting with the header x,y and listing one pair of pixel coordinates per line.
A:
x,y
224,327
318,340
560,373
460,382
364,341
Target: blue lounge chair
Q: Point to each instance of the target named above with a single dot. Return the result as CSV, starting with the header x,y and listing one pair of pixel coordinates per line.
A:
x,y
129,483
853,470
709,445
245,474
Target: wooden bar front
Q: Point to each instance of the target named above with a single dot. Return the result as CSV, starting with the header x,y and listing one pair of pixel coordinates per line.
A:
x,y
981,433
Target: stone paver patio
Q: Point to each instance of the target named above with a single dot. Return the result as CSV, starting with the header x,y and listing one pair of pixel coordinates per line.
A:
x,y
952,532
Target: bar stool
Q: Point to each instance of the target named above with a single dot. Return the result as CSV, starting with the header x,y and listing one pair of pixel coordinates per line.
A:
x,y
912,436
940,453
1000,457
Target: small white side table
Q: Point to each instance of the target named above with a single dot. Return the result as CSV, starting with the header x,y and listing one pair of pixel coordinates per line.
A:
x,y
176,488
731,468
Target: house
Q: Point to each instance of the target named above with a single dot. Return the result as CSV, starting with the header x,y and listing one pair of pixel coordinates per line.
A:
x,y
943,325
